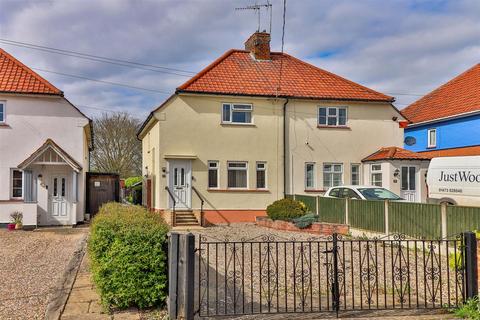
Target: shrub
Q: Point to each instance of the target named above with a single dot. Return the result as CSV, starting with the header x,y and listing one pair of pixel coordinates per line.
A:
x,y
129,182
286,209
469,310
128,256
305,221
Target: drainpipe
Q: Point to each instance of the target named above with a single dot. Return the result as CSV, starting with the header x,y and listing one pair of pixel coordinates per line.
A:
x,y
285,147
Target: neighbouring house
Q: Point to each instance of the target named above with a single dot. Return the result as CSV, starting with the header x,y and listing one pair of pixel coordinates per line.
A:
x,y
255,125
44,147
446,122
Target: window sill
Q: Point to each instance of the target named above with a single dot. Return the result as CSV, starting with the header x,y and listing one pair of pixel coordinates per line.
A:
x,y
238,190
12,200
228,124
4,124
334,127
314,190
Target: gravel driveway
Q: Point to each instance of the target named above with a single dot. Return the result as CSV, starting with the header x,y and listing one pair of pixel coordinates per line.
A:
x,y
31,264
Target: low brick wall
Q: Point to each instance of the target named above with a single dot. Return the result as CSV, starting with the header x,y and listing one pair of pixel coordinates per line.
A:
x,y
321,228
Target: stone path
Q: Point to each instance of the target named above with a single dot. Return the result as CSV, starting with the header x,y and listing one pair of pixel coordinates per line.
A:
x,y
84,301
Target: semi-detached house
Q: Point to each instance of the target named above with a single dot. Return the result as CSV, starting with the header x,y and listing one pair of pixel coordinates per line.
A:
x,y
255,125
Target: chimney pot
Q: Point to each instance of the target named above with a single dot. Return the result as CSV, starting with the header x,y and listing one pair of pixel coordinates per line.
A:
x,y
259,45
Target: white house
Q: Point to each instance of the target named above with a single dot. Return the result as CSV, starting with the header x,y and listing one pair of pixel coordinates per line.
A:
x,y
44,149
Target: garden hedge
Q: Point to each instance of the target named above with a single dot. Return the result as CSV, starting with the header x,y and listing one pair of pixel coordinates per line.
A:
x,y
128,253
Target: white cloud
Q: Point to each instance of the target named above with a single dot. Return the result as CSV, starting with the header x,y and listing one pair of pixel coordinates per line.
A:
x,y
392,46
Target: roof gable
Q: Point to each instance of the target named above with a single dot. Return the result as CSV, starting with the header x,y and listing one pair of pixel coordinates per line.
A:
x,y
236,72
50,152
458,96
15,77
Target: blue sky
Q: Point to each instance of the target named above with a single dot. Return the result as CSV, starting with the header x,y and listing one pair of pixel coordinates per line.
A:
x,y
404,48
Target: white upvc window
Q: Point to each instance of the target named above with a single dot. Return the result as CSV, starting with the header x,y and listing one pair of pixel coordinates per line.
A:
x,y
332,116
432,138
237,174
16,183
310,175
376,175
355,174
332,175
237,113
213,175
3,112
261,175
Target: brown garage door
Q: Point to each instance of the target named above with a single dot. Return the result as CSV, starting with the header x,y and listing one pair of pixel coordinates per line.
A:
x,y
101,188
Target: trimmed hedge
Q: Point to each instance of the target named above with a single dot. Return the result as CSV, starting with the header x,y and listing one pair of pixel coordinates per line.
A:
x,y
286,209
128,253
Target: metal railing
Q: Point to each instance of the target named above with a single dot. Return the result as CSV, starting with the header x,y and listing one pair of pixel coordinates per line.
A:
x,y
171,197
200,197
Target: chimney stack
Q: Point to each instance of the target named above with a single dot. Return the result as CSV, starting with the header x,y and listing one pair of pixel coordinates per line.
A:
x,y
259,45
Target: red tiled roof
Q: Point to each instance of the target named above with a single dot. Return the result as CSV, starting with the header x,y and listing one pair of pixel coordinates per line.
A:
x,y
459,95
453,152
395,153
15,77
237,73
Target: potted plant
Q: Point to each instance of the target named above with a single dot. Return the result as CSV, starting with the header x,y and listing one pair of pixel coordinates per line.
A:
x,y
17,219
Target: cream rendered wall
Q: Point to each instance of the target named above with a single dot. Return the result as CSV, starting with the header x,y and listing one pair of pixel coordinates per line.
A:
x,y
191,125
30,121
370,128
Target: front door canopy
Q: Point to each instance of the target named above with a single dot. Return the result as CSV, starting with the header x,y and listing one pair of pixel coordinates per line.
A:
x,y
50,153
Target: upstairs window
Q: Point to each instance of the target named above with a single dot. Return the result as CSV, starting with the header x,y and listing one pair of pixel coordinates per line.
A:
x,y
237,175
261,175
332,116
213,174
237,113
2,112
432,138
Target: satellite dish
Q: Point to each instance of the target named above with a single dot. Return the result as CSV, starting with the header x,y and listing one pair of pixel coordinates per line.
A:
x,y
410,141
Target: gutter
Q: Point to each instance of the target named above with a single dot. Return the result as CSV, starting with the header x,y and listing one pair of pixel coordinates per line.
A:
x,y
285,147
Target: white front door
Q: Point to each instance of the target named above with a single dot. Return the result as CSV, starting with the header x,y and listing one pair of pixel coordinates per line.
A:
x,y
180,183
57,195
409,183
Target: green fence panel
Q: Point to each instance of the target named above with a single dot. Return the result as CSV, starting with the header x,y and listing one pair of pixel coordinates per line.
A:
x,y
289,196
367,215
310,202
415,219
331,210
460,219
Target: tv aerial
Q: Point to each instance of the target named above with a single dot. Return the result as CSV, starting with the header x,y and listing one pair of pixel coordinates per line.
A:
x,y
257,10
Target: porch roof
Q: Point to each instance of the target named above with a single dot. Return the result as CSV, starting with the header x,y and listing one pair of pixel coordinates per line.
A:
x,y
50,153
395,153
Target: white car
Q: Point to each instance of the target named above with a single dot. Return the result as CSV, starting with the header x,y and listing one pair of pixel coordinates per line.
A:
x,y
362,193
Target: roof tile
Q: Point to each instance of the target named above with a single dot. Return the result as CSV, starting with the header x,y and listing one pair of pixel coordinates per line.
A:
x,y
459,95
237,73
15,77
395,153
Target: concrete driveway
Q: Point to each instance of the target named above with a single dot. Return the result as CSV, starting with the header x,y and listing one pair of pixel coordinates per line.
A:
x,y
31,264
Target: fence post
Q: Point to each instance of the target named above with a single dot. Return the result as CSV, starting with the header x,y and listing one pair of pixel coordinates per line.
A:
x,y
385,211
443,210
172,274
347,211
181,276
471,272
